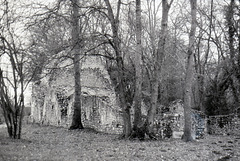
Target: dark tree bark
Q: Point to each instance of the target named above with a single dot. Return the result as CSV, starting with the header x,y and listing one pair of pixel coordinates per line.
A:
x,y
114,21
233,65
189,76
12,107
76,120
231,30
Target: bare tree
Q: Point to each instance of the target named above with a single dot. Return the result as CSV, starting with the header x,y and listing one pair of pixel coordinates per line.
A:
x,y
12,80
189,76
76,42
114,21
51,30
138,68
157,64
201,60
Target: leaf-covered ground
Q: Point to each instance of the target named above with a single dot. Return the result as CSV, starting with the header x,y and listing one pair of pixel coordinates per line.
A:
x,y
57,144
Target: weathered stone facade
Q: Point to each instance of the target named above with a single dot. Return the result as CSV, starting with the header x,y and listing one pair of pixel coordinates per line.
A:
x,y
52,98
170,123
224,125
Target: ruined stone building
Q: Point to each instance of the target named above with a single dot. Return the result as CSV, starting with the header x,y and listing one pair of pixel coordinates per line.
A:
x,y
52,98
52,101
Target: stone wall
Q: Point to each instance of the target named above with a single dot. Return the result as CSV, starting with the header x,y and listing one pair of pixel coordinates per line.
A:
x,y
224,125
170,123
52,99
199,124
99,115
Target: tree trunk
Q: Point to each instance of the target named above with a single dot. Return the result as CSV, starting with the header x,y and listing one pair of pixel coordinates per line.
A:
x,y
7,106
76,120
231,30
157,65
189,76
138,68
114,20
233,54
21,105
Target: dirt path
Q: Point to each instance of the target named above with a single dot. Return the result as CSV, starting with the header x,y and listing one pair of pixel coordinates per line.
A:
x,y
58,144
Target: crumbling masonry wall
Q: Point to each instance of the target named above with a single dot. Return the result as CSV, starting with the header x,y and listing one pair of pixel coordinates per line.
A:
x,y
170,122
224,125
52,99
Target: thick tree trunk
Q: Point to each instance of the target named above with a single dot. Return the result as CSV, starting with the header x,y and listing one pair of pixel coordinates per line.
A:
x,y
231,30
189,76
233,54
125,108
157,65
138,68
114,20
76,120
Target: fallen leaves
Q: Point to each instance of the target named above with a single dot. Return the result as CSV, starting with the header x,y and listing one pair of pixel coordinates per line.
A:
x,y
54,143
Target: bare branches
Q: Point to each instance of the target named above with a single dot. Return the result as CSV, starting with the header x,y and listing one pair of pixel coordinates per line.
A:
x,y
170,2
